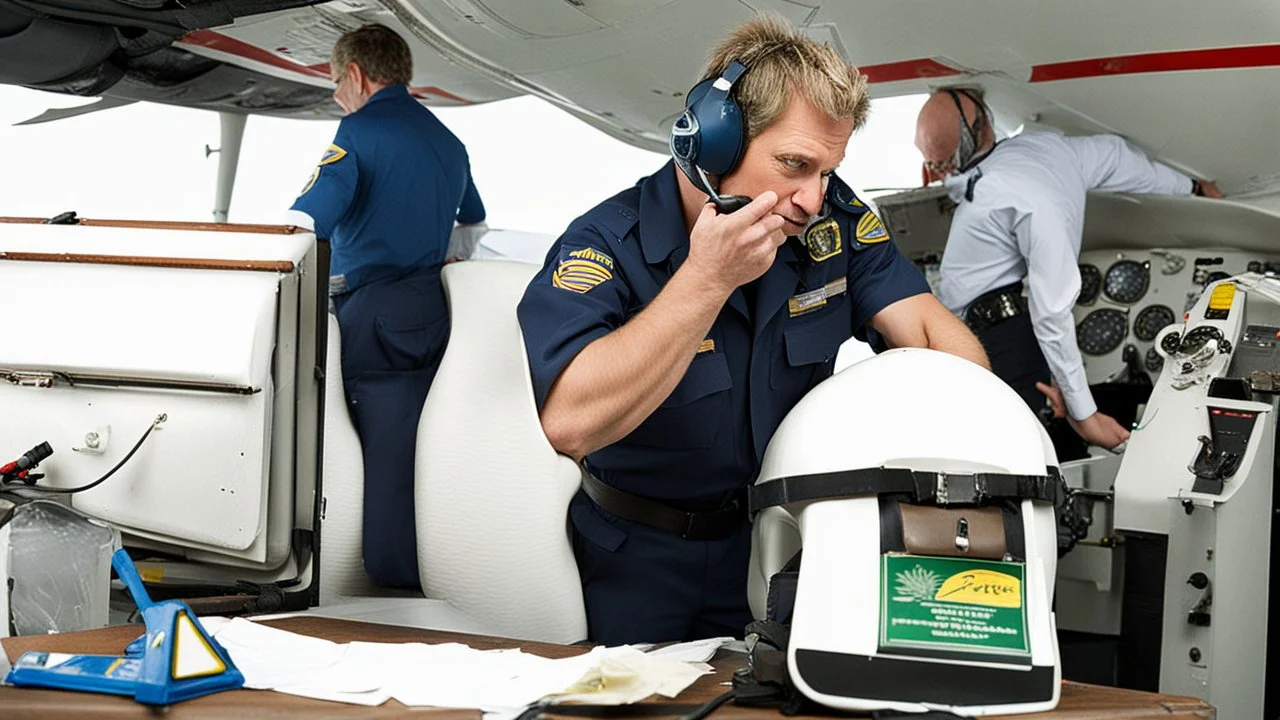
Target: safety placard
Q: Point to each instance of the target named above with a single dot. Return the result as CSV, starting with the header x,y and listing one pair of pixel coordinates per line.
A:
x,y
953,604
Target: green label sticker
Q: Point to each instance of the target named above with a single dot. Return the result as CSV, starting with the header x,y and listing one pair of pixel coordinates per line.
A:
x,y
953,604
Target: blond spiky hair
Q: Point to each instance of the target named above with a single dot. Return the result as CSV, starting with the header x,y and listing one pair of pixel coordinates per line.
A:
x,y
781,60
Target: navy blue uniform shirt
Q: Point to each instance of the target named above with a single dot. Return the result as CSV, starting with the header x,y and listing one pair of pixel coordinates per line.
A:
x,y
770,344
388,189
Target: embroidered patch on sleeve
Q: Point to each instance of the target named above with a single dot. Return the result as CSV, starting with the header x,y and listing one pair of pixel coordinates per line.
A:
x,y
870,230
311,181
581,270
332,155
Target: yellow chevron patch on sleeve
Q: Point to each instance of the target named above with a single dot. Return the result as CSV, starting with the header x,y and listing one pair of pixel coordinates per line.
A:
x,y
582,270
870,230
332,155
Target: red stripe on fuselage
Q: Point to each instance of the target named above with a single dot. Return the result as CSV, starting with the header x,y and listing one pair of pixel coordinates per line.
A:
x,y
1207,59
906,70
239,48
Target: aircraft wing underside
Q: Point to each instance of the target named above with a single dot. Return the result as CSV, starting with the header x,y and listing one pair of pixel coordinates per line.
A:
x,y
1192,86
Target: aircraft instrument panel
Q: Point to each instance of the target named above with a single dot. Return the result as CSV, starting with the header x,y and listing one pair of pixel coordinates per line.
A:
x,y
1128,296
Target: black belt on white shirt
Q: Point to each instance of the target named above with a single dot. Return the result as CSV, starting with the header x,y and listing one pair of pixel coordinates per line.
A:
x,y
995,306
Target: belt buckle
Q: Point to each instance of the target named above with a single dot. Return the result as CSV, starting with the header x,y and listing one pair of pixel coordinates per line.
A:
x,y
692,526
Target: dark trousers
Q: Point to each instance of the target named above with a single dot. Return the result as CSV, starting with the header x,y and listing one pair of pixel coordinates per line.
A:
x,y
646,585
393,335
1016,358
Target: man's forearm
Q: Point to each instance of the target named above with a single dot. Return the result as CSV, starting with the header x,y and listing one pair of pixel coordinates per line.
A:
x,y
620,379
948,334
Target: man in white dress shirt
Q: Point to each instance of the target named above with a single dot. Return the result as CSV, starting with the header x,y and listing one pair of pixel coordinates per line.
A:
x,y
1019,218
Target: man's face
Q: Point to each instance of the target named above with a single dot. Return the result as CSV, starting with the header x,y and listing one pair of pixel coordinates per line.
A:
x,y
348,93
793,158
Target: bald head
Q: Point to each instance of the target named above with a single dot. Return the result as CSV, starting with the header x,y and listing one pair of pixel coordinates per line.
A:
x,y
939,126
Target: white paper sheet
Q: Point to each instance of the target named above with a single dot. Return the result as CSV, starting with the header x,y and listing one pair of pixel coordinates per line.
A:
x,y
451,675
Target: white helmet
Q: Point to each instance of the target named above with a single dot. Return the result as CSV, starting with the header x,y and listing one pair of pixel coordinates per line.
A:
x,y
921,489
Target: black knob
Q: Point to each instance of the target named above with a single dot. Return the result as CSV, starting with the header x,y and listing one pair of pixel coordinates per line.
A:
x,y
1194,654
1199,618
1198,580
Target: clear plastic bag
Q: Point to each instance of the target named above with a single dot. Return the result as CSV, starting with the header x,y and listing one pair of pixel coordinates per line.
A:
x,y
60,566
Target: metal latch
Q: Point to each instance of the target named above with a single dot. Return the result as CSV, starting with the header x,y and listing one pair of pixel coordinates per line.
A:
x,y
28,378
958,489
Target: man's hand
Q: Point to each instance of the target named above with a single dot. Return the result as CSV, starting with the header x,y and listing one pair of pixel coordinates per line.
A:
x,y
1055,398
1209,189
732,250
1101,430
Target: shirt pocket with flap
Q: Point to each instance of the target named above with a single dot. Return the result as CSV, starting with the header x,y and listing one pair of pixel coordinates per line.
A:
x,y
692,414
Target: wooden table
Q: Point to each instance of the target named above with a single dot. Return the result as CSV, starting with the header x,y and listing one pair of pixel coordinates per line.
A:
x,y
1078,701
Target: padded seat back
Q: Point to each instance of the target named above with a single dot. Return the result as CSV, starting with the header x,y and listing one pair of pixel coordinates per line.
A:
x,y
492,495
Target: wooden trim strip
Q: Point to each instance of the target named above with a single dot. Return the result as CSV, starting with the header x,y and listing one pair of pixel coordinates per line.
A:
x,y
277,266
170,225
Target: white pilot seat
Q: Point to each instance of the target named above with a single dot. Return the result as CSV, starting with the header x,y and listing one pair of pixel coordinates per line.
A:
x,y
341,527
491,494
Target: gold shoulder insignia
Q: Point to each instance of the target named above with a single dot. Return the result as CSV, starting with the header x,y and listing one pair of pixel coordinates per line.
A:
x,y
332,155
315,175
581,270
822,240
870,230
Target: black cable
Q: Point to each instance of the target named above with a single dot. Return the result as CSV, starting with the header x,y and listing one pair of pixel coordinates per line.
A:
x,y
710,706
67,491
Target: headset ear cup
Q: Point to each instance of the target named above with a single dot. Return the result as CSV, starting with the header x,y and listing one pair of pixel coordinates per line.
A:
x,y
718,130
721,135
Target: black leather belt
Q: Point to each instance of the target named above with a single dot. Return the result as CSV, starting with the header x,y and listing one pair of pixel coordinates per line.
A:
x,y
995,306
709,525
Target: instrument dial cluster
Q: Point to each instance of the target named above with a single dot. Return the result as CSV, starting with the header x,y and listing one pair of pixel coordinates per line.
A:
x,y
1197,337
1102,331
1151,320
1127,281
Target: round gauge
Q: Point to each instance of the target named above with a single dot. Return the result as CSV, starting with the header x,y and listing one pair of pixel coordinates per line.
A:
x,y
1090,284
1151,321
1127,281
1153,360
1170,343
1102,331
1197,337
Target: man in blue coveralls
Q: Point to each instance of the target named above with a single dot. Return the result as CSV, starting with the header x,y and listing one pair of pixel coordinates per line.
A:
x,y
667,338
386,194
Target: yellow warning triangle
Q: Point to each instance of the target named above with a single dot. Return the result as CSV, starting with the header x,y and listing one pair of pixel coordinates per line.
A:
x,y
193,656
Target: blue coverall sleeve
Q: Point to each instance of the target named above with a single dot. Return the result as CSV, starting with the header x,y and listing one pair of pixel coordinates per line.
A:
x,y
332,187
577,297
472,208
879,276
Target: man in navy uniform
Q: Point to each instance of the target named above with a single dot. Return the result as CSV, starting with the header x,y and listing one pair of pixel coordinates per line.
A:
x,y
386,194
668,335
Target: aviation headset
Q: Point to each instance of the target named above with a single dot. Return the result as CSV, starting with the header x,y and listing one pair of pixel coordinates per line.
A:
x,y
710,136
970,137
